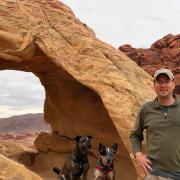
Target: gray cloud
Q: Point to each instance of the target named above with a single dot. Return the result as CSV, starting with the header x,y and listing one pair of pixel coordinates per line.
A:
x,y
19,89
178,11
154,18
126,21
86,10
15,108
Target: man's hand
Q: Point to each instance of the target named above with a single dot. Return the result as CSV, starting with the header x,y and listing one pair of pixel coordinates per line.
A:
x,y
143,161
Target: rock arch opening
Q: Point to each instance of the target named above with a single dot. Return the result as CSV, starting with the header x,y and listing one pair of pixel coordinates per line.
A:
x,y
21,108
21,93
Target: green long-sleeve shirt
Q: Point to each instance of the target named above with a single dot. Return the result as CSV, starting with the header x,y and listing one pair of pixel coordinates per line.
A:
x,y
163,134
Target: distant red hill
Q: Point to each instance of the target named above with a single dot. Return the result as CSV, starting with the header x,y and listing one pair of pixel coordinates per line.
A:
x,y
164,52
23,124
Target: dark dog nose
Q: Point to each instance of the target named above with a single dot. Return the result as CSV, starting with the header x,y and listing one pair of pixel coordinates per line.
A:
x,y
108,161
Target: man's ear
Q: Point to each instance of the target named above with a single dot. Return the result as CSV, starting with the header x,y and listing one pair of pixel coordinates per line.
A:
x,y
115,147
77,138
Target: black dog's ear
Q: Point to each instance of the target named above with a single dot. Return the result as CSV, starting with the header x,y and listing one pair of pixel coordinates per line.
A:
x,y
90,137
115,147
102,149
77,138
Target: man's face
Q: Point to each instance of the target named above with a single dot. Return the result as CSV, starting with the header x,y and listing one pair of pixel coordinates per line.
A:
x,y
164,86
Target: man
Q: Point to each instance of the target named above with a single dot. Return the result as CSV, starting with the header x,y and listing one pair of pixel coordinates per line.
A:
x,y
161,119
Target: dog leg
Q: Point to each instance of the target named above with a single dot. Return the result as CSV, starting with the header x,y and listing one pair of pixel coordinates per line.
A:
x,y
99,178
86,168
84,176
98,175
111,175
62,177
72,177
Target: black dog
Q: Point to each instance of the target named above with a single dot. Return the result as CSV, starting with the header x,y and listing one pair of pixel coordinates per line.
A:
x,y
105,168
76,165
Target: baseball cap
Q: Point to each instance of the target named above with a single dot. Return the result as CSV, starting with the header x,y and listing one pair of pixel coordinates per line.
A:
x,y
164,71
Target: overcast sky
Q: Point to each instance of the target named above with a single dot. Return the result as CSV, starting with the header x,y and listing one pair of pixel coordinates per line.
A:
x,y
117,22
20,93
136,22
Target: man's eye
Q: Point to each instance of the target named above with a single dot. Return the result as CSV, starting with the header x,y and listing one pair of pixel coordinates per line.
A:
x,y
163,82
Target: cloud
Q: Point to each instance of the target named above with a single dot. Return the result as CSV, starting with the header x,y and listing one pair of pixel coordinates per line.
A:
x,y
126,21
178,11
86,10
8,111
20,92
154,18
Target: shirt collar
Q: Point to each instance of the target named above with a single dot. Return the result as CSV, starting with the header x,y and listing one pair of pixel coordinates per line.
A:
x,y
157,105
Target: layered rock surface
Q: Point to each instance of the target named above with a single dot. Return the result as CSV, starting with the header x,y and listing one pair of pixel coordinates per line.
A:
x,y
164,53
12,170
91,87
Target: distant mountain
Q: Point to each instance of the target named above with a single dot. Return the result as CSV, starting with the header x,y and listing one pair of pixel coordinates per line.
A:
x,y
24,123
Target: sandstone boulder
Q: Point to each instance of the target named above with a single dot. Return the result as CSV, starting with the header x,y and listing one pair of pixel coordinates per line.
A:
x,y
11,149
12,170
91,88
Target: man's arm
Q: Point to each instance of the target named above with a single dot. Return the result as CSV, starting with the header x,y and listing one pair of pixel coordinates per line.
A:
x,y
136,134
136,137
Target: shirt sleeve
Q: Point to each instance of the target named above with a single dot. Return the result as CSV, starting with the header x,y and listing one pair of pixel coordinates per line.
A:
x,y
136,134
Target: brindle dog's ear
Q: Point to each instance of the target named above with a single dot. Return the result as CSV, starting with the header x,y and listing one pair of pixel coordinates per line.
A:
x,y
77,138
90,137
115,147
102,149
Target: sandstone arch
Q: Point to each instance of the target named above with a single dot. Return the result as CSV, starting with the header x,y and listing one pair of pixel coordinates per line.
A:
x,y
91,87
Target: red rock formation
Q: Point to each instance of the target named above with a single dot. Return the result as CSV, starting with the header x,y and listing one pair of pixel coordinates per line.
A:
x,y
163,53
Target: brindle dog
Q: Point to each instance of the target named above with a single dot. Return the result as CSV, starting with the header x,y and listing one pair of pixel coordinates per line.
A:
x,y
76,165
105,168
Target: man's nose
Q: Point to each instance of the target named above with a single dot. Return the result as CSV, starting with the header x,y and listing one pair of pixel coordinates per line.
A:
x,y
163,84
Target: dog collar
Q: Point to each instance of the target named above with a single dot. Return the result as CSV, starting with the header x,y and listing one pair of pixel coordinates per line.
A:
x,y
105,169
